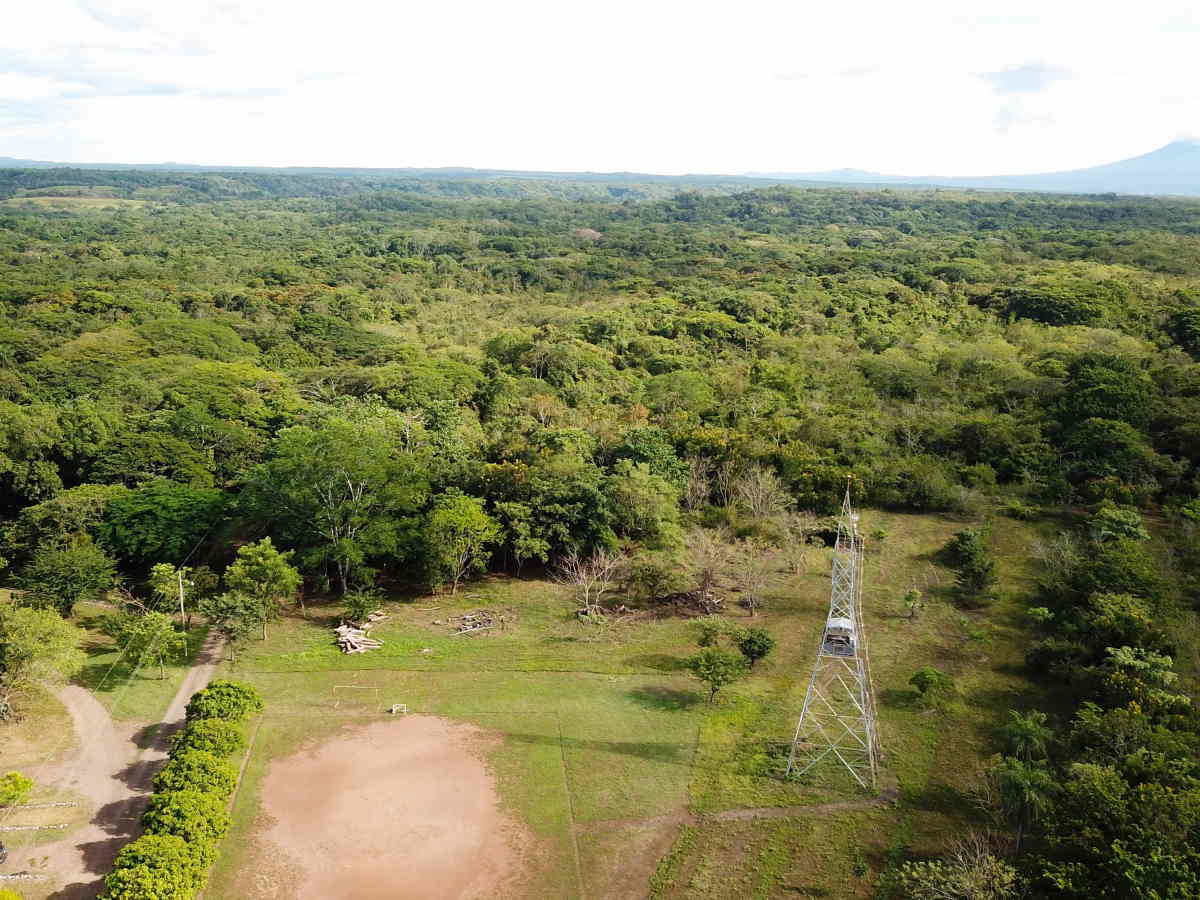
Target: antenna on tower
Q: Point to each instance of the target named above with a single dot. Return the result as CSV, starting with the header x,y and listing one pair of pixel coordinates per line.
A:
x,y
837,721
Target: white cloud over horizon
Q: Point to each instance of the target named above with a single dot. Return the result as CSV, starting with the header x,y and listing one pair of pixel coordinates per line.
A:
x,y
663,86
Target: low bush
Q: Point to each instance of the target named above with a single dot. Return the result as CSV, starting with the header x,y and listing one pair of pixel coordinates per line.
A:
x,y
229,700
215,736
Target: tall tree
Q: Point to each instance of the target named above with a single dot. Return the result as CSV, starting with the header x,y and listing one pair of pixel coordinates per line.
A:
x,y
59,576
457,535
343,488
264,574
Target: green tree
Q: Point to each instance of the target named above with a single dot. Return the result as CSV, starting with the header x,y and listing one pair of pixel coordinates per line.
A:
x,y
36,645
932,684
457,535
58,577
14,788
1025,791
343,484
1026,735
157,867
216,736
199,770
147,635
198,817
264,574
161,520
717,668
235,616
229,700
755,644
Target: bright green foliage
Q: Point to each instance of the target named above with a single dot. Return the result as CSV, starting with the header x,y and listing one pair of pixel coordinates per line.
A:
x,y
36,645
197,770
932,684
157,867
755,644
1111,521
6,894
229,700
147,637
645,505
14,788
717,668
263,574
161,521
75,511
235,615
343,489
215,736
59,576
457,536
982,876
194,815
1026,735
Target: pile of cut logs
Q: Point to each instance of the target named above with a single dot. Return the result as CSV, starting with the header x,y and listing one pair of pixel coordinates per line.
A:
x,y
476,621
353,637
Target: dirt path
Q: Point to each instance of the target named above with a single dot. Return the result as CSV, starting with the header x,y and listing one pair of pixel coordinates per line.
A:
x,y
404,809
114,767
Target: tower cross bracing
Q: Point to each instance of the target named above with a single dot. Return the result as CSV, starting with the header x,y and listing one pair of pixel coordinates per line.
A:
x,y
837,721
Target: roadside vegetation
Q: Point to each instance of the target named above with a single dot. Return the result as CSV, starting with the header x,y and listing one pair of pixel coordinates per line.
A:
x,y
618,417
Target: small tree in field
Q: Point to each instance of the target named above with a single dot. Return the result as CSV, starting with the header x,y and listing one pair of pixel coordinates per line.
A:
x,y
716,668
147,636
755,644
234,615
457,536
932,684
264,574
58,577
161,866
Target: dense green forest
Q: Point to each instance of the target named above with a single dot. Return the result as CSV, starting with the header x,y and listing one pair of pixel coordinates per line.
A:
x,y
407,381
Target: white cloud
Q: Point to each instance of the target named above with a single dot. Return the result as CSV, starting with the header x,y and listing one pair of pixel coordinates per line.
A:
x,y
666,86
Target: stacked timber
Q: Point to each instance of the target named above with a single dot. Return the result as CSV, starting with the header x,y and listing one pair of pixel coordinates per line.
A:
x,y
354,637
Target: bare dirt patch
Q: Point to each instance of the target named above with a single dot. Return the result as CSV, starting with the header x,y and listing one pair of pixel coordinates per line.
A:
x,y
396,809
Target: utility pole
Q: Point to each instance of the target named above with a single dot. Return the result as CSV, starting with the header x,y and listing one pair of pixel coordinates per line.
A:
x,y
837,720
182,614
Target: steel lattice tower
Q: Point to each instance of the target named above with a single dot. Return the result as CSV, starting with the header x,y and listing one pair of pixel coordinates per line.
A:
x,y
838,717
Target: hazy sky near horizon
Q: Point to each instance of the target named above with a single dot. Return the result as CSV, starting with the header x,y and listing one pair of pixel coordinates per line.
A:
x,y
926,87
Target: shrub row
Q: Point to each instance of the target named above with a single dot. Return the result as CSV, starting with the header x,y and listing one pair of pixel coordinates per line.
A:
x,y
188,813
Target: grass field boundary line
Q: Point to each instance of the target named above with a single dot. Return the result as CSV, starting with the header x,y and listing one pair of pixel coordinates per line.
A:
x,y
574,831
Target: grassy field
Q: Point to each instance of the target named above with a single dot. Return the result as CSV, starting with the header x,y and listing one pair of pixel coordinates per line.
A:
x,y
611,755
74,204
129,691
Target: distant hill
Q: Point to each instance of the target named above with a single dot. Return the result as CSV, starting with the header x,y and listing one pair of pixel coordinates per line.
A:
x,y
1173,169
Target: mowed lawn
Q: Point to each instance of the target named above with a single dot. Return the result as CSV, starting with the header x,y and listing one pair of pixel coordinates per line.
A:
x,y
611,754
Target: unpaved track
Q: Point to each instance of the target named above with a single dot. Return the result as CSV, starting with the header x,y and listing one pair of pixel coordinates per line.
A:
x,y
113,769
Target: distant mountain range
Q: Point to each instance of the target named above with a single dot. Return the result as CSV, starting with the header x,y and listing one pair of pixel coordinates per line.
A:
x,y
1173,169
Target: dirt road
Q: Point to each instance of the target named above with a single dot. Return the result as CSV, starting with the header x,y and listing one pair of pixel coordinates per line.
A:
x,y
114,767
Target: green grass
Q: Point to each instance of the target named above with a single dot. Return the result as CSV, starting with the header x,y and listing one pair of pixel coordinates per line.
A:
x,y
130,692
604,729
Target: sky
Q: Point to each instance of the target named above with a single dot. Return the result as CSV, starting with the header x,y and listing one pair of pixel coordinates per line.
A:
x,y
924,87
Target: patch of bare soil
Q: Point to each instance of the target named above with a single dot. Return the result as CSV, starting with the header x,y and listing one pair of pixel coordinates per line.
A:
x,y
397,809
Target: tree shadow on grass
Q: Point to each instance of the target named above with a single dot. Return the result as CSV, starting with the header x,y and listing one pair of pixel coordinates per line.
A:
x,y
895,698
665,699
659,662
655,751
